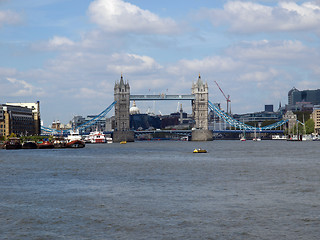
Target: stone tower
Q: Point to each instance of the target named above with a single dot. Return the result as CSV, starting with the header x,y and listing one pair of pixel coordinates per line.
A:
x,y
121,112
292,121
200,111
200,104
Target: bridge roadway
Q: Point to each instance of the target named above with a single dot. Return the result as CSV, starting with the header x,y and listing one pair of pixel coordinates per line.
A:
x,y
161,97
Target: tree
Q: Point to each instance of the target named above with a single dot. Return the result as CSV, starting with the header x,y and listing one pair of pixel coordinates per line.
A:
x,y
309,126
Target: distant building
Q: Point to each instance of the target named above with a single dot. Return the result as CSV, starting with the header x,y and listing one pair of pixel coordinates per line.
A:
x,y
77,121
17,120
302,100
35,107
100,125
60,126
139,121
316,118
300,106
268,108
144,121
267,115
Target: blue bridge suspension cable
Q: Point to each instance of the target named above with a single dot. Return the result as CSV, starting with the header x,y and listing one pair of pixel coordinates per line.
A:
x,y
96,118
84,125
237,124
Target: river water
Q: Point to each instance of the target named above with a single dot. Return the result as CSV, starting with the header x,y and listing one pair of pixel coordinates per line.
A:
x,y
161,190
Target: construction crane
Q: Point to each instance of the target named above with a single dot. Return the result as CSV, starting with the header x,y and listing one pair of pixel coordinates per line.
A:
x,y
227,98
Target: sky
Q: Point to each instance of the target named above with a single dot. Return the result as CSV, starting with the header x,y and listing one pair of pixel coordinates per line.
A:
x,y
67,54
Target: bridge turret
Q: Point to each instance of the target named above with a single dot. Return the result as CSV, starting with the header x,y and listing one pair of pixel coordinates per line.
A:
x,y
122,96
121,112
200,104
200,111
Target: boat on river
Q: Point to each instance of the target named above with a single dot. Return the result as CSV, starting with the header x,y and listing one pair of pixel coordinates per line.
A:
x,y
278,137
29,145
97,137
74,140
59,142
13,143
199,150
45,144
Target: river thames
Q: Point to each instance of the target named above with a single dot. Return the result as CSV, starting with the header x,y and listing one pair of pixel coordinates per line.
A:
x,y
161,190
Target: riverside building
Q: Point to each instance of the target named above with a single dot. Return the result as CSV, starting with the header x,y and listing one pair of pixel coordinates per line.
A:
x,y
17,120
316,118
35,107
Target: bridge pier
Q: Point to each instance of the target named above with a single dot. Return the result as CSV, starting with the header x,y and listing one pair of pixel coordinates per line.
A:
x,y
201,135
119,136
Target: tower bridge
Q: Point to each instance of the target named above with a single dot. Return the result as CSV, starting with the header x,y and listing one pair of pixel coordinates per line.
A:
x,y
199,98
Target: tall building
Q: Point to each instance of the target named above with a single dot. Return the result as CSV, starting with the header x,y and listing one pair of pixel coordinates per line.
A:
x,y
306,96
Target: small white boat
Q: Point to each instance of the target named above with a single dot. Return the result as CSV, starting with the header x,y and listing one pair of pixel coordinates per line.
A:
x,y
278,137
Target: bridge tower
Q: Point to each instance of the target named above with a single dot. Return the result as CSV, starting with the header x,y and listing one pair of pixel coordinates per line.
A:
x,y
121,112
292,121
200,111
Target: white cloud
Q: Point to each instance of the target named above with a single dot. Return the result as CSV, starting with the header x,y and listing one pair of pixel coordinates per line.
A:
x,y
9,17
121,16
266,51
205,65
132,64
249,17
58,41
259,77
21,88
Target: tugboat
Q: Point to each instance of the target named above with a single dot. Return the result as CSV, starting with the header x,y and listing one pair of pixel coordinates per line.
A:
x,y
45,144
74,140
13,143
29,145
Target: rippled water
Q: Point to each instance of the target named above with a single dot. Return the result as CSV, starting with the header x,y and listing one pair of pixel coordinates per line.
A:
x,y
161,190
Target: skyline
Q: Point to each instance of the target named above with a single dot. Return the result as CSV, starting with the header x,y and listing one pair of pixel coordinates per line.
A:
x,y
68,54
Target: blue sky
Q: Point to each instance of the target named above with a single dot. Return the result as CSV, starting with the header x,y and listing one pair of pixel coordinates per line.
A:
x,y
67,54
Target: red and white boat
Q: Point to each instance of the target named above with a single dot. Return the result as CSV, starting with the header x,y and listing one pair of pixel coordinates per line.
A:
x,y
74,140
98,137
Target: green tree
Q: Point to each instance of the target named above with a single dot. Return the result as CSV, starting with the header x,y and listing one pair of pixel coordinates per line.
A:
x,y
309,126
